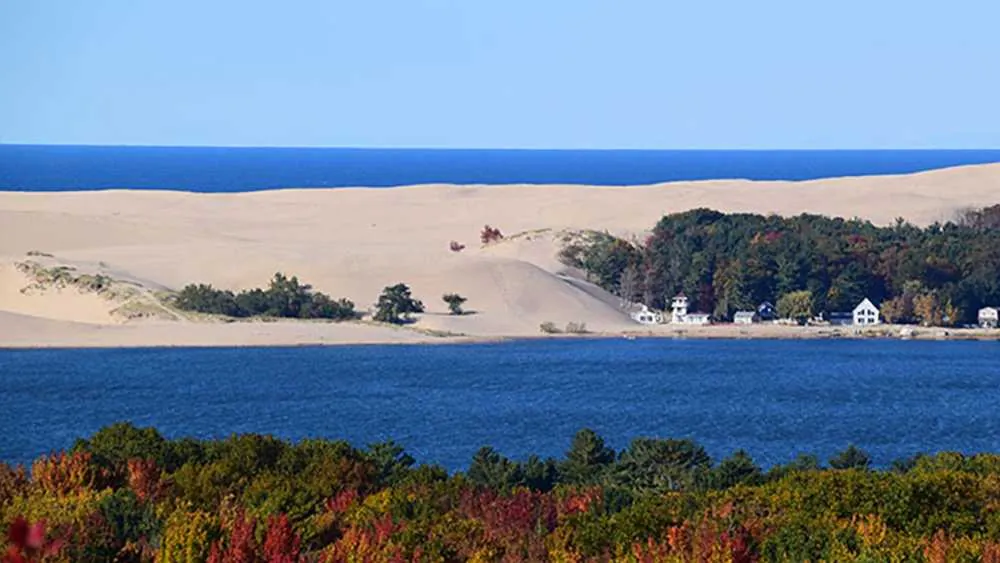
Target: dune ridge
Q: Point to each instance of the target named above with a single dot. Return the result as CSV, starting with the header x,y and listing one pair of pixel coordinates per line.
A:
x,y
351,242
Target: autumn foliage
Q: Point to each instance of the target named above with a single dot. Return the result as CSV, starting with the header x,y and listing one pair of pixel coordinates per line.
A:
x,y
281,544
27,542
257,499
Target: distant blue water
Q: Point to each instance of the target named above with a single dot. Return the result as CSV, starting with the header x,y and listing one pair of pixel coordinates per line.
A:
x,y
774,398
49,168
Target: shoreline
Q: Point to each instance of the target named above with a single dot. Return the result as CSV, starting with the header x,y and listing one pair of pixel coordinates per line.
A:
x,y
712,332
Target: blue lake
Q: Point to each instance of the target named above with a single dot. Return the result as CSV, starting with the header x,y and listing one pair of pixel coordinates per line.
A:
x,y
442,402
220,169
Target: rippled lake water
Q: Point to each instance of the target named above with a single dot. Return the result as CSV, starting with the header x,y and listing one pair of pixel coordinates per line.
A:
x,y
442,402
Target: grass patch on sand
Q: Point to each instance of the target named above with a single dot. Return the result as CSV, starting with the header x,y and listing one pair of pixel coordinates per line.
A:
x,y
134,302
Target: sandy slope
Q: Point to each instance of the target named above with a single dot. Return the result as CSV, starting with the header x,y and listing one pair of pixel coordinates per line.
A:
x,y
58,303
352,242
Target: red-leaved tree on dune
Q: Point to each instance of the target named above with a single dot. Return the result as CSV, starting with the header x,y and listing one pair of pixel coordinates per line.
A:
x,y
490,234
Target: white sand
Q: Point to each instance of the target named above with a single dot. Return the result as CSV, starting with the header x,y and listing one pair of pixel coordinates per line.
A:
x,y
352,242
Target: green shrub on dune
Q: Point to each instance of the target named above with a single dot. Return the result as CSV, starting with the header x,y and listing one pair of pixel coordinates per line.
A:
x,y
285,298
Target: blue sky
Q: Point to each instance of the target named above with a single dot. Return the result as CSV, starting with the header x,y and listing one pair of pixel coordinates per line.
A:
x,y
510,74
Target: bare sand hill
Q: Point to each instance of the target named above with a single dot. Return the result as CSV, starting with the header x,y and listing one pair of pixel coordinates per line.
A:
x,y
352,242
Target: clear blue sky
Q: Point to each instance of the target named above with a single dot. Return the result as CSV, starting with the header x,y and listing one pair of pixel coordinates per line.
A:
x,y
513,73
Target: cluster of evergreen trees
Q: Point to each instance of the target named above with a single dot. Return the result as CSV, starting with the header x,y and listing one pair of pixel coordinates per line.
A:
x,y
284,297
941,274
646,466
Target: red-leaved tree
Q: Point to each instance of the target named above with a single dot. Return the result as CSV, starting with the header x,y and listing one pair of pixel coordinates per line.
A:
x,y
27,543
490,234
242,546
281,544
145,480
62,474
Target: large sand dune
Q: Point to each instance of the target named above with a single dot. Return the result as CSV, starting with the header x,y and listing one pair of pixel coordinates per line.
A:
x,y
352,242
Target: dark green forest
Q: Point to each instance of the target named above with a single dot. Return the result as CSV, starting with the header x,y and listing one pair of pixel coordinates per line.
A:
x,y
938,275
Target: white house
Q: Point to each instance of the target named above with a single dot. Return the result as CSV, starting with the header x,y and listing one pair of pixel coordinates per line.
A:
x,y
989,317
745,317
679,313
866,313
678,308
647,316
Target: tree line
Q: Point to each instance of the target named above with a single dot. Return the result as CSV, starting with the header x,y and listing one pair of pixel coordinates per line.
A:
x,y
284,297
288,298
129,494
938,275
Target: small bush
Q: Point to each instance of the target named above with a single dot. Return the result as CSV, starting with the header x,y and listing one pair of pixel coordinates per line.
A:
x,y
576,328
96,283
395,305
456,246
490,234
454,302
549,327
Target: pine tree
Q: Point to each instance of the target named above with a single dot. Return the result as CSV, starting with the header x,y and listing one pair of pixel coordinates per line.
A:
x,y
395,305
587,459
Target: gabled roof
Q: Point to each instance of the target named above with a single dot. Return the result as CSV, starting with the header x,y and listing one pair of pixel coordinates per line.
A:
x,y
865,305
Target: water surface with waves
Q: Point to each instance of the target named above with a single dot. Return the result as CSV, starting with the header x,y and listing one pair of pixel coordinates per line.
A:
x,y
442,402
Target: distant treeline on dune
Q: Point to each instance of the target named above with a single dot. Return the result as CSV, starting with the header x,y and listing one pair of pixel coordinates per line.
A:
x,y
938,275
129,494
284,297
288,298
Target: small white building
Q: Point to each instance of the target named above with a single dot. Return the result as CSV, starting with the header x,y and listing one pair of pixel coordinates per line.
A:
x,y
866,313
989,317
745,317
647,316
678,308
679,313
697,319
